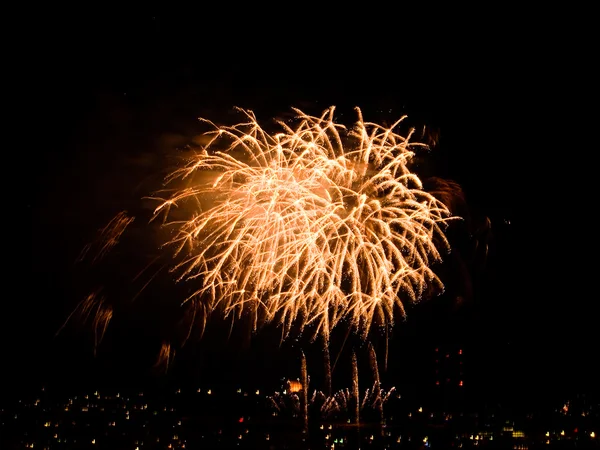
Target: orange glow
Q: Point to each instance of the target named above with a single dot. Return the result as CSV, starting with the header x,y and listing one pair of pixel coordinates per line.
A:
x,y
294,386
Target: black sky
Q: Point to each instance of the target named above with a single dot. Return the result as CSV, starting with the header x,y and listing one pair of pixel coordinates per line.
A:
x,y
106,89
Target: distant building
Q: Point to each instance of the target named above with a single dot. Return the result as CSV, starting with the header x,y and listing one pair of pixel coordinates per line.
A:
x,y
447,379
448,366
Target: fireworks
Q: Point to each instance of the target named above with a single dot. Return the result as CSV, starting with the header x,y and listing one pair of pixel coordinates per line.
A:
x,y
95,309
312,225
108,237
340,405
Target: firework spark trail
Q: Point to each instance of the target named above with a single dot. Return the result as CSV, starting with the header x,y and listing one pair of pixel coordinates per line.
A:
x,y
95,308
165,355
342,404
304,381
312,225
108,237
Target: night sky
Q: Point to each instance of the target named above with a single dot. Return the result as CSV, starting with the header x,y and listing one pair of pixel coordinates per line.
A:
x,y
111,94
